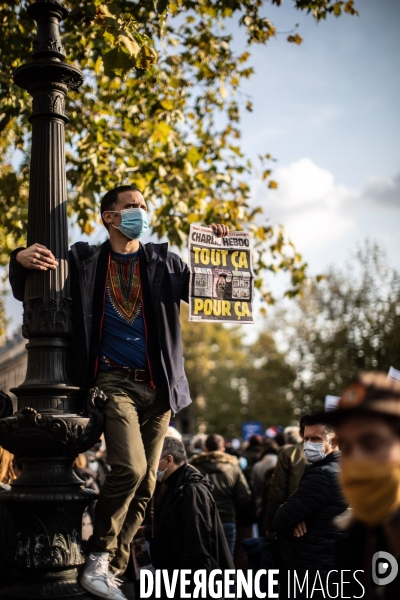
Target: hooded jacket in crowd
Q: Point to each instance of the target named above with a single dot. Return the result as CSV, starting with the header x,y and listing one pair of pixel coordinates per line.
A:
x,y
188,530
231,492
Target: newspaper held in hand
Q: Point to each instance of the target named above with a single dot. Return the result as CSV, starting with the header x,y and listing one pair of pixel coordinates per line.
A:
x,y
331,402
394,374
221,276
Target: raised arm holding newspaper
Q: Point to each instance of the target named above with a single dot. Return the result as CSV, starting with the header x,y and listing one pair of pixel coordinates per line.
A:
x,y
127,340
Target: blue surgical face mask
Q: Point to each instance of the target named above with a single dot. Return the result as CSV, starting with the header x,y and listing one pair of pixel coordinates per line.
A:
x,y
133,222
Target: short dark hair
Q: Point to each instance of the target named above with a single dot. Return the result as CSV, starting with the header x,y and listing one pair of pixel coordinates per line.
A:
x,y
314,419
255,440
269,447
110,199
174,448
214,442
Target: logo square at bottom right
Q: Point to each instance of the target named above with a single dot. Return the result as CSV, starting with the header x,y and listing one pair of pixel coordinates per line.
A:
x,y
384,568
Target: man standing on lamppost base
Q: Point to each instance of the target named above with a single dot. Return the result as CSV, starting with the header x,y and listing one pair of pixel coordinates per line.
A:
x,y
127,341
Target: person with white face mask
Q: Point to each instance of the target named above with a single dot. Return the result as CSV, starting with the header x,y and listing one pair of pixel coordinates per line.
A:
x,y
306,518
314,451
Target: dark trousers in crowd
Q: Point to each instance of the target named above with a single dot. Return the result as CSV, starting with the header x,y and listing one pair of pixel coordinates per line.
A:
x,y
230,534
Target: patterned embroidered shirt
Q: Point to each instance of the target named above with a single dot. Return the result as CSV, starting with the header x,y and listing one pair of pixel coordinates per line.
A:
x,y
123,334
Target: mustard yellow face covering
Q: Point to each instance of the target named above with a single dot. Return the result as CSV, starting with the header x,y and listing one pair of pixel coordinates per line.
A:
x,y
372,488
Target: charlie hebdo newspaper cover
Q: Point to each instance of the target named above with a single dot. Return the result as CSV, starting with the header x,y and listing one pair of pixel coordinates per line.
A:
x,y
221,276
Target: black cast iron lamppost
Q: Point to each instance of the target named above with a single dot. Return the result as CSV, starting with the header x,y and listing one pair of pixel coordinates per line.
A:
x,y
49,429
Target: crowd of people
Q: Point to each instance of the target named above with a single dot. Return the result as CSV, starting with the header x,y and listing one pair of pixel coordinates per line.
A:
x,y
324,497
326,500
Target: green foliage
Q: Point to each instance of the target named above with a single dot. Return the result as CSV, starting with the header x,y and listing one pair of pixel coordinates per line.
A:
x,y
232,382
157,76
131,49
3,319
269,378
322,8
295,39
350,321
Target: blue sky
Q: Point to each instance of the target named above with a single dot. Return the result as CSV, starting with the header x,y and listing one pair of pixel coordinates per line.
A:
x,y
334,98
328,111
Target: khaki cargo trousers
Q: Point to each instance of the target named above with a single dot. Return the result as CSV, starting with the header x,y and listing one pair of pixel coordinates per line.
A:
x,y
136,420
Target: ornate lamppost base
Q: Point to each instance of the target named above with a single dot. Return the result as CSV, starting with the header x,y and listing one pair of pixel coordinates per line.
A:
x,y
47,548
47,500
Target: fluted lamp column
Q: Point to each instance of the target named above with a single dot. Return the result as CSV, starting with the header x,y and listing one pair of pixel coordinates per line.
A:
x,y
47,501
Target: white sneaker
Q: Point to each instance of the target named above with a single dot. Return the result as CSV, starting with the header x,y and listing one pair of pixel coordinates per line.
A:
x,y
98,579
113,587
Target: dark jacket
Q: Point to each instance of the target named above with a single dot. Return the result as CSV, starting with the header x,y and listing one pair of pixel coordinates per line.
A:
x,y
165,282
231,492
252,454
317,500
191,527
356,551
286,478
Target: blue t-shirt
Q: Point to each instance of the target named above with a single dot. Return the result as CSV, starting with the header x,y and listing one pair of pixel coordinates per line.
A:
x,y
123,337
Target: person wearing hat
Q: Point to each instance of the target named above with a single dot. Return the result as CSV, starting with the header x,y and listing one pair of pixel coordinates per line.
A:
x,y
367,424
